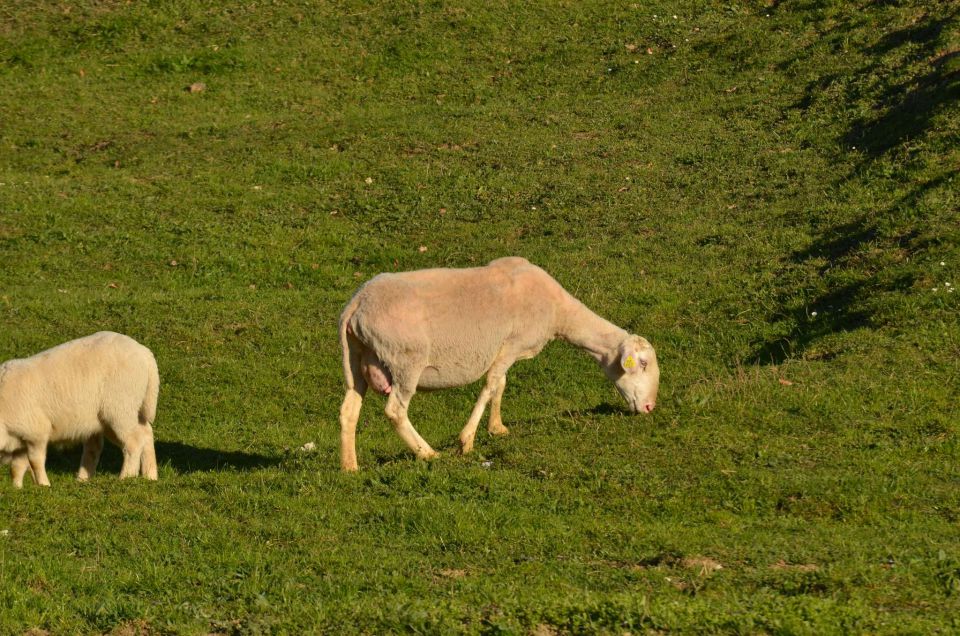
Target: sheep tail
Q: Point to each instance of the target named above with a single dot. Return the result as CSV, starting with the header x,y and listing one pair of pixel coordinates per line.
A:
x,y
148,410
348,354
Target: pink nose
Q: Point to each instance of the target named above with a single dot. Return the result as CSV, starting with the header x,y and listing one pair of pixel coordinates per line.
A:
x,y
648,407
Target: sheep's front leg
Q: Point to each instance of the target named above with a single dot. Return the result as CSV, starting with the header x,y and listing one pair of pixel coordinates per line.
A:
x,y
37,456
490,390
91,457
19,464
396,410
349,414
495,425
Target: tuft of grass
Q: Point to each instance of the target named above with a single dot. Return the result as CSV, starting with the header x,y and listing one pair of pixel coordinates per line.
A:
x,y
765,190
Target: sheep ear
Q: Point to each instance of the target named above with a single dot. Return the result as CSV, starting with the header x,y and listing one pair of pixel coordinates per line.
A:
x,y
633,358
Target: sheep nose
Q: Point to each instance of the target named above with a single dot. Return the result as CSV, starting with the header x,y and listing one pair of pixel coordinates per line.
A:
x,y
648,407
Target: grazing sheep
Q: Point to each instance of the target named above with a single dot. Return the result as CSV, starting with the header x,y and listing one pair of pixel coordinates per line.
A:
x,y
438,328
102,385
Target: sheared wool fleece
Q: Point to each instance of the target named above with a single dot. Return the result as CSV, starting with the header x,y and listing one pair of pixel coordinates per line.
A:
x,y
438,328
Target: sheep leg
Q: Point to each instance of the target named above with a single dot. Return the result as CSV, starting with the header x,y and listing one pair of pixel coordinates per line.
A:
x,y
132,443
349,414
19,465
37,456
352,401
396,410
495,425
469,431
148,457
91,457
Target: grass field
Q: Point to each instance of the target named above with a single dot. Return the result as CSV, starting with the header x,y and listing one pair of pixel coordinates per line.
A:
x,y
767,191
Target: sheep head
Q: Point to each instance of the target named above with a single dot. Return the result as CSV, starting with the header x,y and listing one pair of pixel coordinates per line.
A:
x,y
634,371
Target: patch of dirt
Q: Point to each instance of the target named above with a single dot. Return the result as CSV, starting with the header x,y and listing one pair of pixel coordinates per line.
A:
x,y
796,567
138,627
453,573
705,565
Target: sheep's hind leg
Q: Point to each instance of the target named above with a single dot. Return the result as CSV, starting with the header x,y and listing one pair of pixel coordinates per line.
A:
x,y
133,440
91,457
19,465
148,457
495,425
349,414
122,426
352,401
397,405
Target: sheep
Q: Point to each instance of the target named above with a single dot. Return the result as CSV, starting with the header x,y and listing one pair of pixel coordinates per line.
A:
x,y
105,384
440,328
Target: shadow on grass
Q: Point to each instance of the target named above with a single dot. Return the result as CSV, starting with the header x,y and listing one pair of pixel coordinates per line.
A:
x,y
904,111
858,263
191,459
181,457
853,264
602,409
606,409
450,444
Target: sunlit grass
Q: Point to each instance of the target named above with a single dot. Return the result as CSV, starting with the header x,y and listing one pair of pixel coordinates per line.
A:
x,y
766,191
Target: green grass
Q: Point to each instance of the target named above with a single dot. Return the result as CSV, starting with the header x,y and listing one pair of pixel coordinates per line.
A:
x,y
708,180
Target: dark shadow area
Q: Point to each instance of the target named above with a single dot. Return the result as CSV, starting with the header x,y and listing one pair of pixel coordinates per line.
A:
x,y
841,316
183,458
852,265
606,409
921,32
906,108
190,459
851,258
906,104
602,409
67,460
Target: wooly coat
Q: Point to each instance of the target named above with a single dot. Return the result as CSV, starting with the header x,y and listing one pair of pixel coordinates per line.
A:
x,y
438,328
101,385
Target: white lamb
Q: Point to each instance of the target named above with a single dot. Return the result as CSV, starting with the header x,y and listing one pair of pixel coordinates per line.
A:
x,y
438,328
104,384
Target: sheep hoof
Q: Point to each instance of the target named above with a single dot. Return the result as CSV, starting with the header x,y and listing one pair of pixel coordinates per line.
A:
x,y
499,430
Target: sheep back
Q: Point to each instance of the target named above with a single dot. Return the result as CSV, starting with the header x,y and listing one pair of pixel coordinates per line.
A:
x,y
70,392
